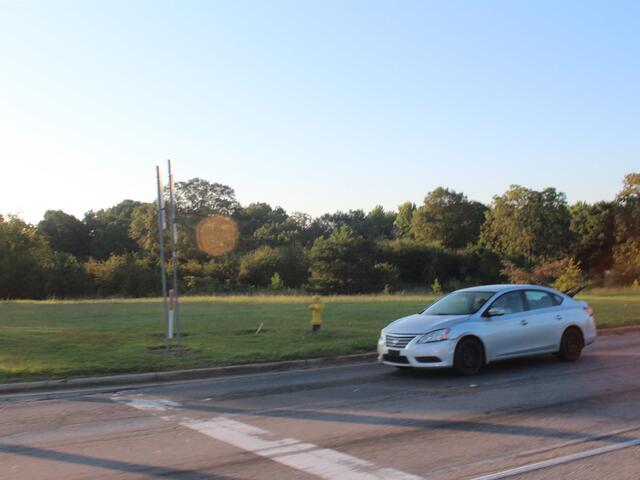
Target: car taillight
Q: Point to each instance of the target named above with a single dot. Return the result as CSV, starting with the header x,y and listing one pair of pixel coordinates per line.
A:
x,y
588,310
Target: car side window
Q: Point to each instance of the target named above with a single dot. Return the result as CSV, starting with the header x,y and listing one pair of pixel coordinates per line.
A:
x,y
537,299
510,302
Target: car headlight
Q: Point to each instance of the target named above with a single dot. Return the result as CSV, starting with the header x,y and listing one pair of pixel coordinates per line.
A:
x,y
435,336
381,339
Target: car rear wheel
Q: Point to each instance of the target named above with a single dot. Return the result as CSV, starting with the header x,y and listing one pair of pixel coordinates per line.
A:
x,y
469,357
571,345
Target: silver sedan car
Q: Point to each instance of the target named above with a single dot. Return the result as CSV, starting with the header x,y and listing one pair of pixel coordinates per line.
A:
x,y
471,327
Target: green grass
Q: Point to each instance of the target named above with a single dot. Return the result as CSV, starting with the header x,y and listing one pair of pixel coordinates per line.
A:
x,y
614,308
53,339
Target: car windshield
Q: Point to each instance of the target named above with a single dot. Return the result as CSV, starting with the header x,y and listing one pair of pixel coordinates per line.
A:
x,y
459,303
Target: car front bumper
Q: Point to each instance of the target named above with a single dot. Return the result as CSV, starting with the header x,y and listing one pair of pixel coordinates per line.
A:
x,y
418,355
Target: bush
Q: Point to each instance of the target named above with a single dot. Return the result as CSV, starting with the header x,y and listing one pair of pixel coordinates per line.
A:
x,y
25,258
626,262
67,277
346,263
420,264
276,282
126,275
258,267
415,262
571,278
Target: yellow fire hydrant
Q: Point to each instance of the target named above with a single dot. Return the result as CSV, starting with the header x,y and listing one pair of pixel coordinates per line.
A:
x,y
316,308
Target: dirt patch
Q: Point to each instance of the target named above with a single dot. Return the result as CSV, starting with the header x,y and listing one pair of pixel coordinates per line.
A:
x,y
251,331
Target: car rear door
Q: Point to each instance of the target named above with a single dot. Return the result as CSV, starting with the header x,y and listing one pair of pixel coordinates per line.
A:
x,y
545,319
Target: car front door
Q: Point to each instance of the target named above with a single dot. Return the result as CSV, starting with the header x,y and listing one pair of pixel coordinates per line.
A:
x,y
506,335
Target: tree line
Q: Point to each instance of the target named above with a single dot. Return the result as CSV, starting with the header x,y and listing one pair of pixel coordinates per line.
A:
x,y
447,242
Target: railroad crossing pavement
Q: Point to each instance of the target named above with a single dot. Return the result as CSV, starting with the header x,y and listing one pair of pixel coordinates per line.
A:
x,y
526,419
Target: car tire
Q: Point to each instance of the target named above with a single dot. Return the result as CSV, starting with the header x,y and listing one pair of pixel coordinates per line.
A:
x,y
468,358
571,345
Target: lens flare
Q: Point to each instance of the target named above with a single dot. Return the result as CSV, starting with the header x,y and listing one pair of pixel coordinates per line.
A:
x,y
217,235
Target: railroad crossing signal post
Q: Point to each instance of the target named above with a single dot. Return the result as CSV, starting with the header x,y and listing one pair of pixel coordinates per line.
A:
x,y
162,224
171,310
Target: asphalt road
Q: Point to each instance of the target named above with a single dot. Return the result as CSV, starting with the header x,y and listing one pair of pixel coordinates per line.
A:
x,y
527,419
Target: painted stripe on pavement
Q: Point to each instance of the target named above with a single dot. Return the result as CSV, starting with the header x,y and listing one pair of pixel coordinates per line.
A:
x,y
558,461
307,457
152,405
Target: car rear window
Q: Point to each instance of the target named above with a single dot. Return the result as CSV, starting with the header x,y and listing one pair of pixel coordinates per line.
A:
x,y
537,299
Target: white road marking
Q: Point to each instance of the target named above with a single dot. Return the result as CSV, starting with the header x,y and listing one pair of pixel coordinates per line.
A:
x,y
307,457
535,451
153,405
558,461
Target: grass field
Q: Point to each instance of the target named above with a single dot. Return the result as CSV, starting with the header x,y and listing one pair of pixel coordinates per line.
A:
x,y
52,339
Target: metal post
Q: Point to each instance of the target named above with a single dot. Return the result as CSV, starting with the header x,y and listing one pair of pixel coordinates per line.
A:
x,y
161,226
174,234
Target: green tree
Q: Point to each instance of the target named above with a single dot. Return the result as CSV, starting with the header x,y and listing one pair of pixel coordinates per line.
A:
x,y
256,215
25,259
109,230
448,219
127,275
375,225
355,220
196,199
260,224
67,277
275,234
529,225
415,261
258,266
404,219
626,262
200,197
65,233
626,252
628,209
217,275
144,228
345,263
478,265
593,232
379,224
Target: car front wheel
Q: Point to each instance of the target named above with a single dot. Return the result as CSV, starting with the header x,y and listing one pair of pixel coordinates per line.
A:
x,y
469,357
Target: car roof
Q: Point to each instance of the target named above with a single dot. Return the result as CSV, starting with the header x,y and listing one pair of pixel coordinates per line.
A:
x,y
504,287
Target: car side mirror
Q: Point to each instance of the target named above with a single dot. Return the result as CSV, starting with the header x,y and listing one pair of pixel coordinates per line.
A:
x,y
495,312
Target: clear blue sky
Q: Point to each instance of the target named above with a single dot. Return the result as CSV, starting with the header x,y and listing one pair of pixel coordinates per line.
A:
x,y
315,106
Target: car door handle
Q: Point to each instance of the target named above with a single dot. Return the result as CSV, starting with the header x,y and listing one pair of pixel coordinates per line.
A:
x,y
558,317
524,321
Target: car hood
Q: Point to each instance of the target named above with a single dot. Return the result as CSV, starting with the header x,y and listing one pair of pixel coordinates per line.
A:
x,y
420,323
